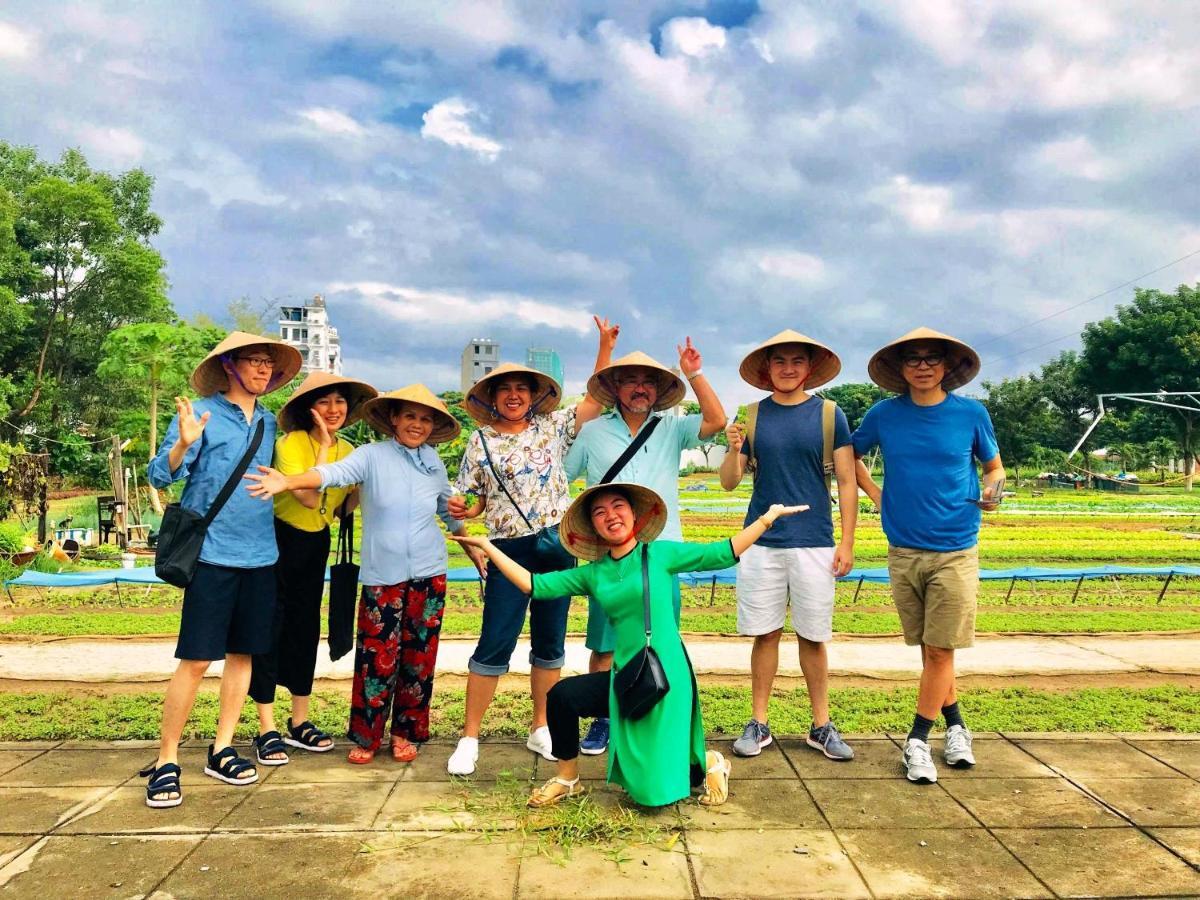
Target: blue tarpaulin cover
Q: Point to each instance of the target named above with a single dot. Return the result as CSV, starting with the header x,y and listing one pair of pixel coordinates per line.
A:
x,y
145,575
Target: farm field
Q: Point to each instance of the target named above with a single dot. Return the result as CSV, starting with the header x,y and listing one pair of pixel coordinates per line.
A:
x,y
1055,529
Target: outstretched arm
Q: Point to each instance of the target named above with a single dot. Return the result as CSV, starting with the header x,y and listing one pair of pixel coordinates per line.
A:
x,y
746,538
509,568
268,482
589,407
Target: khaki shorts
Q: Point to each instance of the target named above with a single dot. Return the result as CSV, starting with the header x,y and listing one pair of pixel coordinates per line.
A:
x,y
935,595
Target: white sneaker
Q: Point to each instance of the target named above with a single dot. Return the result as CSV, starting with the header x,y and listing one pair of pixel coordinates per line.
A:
x,y
958,752
539,743
918,762
462,760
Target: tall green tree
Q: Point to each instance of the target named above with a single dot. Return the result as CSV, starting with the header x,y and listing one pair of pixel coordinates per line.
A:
x,y
1153,344
1022,417
854,399
77,263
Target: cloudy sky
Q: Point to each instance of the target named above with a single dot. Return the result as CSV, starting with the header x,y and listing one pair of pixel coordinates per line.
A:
x,y
722,169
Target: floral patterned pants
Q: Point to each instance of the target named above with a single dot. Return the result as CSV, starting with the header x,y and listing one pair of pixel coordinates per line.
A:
x,y
398,627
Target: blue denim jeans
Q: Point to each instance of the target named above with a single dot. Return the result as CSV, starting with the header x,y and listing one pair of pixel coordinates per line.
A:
x,y
504,607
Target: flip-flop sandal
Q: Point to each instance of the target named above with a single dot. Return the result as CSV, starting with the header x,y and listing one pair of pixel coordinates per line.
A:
x,y
307,736
548,795
164,779
716,780
226,766
405,752
360,756
268,744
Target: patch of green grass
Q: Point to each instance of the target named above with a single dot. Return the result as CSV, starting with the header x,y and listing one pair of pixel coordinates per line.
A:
x,y
722,622
60,715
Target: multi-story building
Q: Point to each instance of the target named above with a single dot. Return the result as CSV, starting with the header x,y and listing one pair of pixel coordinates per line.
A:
x,y
307,329
479,358
545,361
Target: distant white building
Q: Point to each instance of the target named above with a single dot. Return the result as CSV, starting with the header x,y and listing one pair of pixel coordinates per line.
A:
x,y
479,358
307,329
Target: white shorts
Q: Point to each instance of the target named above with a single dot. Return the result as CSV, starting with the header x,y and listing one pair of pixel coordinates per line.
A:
x,y
768,577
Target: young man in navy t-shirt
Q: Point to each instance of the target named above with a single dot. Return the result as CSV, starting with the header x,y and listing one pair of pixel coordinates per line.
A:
x,y
797,560
931,440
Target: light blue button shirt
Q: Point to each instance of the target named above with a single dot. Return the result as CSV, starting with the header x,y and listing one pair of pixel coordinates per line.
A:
x,y
242,536
655,465
401,490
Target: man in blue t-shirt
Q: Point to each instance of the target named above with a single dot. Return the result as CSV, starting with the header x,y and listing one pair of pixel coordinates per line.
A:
x,y
931,440
796,561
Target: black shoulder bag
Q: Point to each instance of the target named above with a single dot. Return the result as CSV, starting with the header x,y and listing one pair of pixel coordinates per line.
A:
x,y
644,435
548,545
641,682
343,591
181,535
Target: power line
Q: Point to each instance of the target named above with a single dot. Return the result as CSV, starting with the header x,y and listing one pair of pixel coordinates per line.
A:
x,y
1067,309
1035,347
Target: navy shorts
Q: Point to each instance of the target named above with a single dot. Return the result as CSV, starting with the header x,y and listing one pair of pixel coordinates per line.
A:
x,y
504,607
225,611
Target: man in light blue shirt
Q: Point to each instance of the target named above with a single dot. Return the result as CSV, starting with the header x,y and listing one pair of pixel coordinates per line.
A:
x,y
229,605
639,389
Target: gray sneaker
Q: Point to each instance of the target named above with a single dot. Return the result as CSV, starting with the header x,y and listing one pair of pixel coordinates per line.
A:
x,y
957,752
755,736
828,741
918,762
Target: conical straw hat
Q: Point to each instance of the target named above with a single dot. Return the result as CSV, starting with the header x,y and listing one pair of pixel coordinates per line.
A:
x,y
378,411
886,367
295,416
603,385
579,537
210,378
823,367
547,393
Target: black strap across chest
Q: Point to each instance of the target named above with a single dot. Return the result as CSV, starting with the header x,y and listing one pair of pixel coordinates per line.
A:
x,y
644,435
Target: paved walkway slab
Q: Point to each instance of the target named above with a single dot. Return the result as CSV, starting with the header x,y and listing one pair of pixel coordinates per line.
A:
x,y
1039,816
142,660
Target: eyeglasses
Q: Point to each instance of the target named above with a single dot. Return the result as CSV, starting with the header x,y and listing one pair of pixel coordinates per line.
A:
x,y
637,382
932,360
258,362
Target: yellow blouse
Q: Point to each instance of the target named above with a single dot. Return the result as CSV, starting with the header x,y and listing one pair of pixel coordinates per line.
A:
x,y
296,452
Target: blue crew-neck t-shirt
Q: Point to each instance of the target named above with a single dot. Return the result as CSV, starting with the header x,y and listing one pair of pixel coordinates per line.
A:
x,y
789,452
929,455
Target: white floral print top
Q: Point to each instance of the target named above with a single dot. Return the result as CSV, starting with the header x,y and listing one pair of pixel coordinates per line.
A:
x,y
531,464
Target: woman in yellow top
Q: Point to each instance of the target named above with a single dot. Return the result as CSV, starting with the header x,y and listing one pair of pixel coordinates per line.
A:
x,y
311,418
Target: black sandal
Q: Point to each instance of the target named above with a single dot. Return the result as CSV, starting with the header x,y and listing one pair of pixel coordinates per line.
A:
x,y
267,744
164,779
307,736
226,766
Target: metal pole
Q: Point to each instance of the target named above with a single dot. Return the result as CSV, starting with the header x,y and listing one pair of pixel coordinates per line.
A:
x,y
712,594
1011,585
1078,584
1166,584
858,588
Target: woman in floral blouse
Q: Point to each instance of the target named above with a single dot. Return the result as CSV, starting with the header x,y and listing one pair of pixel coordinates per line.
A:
x,y
513,467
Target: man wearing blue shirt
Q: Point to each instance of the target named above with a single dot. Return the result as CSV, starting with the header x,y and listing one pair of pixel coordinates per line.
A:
x,y
228,607
930,503
638,389
795,563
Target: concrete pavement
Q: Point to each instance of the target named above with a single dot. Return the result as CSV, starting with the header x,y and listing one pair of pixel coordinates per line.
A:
x,y
95,660
1040,816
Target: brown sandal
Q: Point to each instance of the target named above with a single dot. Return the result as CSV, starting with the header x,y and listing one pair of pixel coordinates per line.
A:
x,y
553,791
403,750
360,756
716,779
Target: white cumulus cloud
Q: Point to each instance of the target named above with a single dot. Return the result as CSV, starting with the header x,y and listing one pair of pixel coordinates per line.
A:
x,y
332,121
15,43
692,37
449,122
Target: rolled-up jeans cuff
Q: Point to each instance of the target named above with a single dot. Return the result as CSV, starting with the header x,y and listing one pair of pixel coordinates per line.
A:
x,y
481,669
547,663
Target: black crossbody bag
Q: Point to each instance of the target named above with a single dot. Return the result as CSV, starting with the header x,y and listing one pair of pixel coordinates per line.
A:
x,y
641,682
181,535
644,435
343,591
